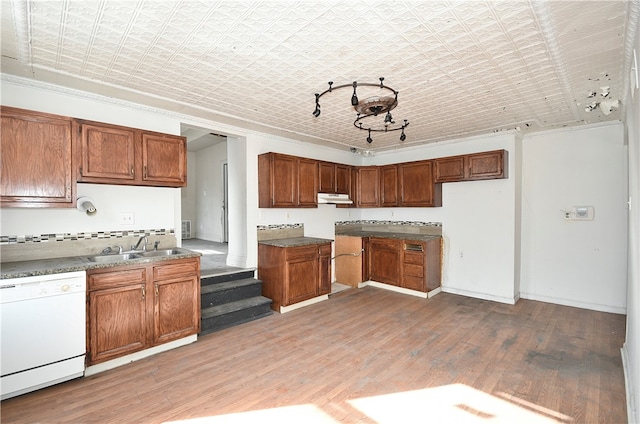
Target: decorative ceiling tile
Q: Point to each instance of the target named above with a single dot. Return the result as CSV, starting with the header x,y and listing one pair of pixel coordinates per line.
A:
x,y
461,68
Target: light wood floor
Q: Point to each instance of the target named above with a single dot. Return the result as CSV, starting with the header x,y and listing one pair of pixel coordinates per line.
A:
x,y
367,355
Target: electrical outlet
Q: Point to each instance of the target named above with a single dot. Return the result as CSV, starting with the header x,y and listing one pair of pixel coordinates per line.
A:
x,y
127,218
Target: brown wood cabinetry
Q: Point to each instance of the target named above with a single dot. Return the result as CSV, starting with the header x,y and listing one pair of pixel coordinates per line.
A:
x,y
134,307
408,264
36,160
385,260
476,166
119,155
334,178
287,181
368,186
389,185
293,274
416,185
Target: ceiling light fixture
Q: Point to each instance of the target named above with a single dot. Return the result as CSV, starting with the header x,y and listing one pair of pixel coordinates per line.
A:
x,y
370,107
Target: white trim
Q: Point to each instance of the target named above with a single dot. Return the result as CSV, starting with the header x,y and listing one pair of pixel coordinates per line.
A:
x,y
478,295
574,303
396,289
114,363
632,412
285,309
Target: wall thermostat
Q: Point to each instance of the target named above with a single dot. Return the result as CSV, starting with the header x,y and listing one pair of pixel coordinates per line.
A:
x,y
579,213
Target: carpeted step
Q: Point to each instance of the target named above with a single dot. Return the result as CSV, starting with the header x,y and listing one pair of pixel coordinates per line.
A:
x,y
221,278
216,318
229,291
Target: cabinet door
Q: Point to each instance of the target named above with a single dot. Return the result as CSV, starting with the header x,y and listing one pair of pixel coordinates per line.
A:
x,y
36,160
449,169
368,187
385,260
117,322
107,153
307,183
343,179
164,159
486,165
284,170
327,180
389,185
301,274
176,309
324,252
416,185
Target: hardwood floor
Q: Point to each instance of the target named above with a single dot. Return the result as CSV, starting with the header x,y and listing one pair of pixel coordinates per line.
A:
x,y
367,355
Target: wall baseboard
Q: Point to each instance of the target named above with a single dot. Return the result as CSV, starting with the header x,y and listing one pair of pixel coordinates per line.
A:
x,y
574,303
483,296
632,412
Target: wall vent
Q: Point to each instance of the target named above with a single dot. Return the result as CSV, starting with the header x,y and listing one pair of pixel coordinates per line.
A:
x,y
186,229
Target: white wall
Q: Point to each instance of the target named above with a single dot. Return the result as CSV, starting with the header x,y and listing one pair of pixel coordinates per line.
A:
x,y
188,193
577,263
209,192
631,348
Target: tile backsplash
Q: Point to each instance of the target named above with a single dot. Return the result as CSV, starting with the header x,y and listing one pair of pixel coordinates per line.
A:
x,y
45,246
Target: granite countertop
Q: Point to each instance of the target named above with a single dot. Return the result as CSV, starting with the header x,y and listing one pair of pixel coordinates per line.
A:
x,y
384,234
295,241
78,263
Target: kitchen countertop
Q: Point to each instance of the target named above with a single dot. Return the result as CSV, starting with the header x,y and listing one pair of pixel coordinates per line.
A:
x,y
77,263
384,234
295,241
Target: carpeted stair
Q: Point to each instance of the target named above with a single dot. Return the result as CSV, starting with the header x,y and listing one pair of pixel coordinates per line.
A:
x,y
231,299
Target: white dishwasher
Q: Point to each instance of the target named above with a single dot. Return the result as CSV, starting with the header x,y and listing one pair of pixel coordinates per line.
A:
x,y
43,331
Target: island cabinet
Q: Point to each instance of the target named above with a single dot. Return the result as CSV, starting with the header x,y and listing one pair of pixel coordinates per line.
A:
x,y
113,154
138,306
36,160
291,275
471,167
417,188
287,181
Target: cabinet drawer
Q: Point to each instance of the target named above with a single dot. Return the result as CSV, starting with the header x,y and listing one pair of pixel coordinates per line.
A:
x,y
111,279
179,269
416,258
414,270
414,283
302,252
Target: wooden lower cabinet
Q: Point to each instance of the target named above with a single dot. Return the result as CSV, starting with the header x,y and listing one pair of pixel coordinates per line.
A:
x,y
134,307
408,264
291,275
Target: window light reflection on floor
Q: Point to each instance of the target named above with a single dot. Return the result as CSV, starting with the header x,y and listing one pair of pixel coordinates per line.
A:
x,y
455,403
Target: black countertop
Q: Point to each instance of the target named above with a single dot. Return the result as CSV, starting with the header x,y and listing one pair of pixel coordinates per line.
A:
x,y
78,263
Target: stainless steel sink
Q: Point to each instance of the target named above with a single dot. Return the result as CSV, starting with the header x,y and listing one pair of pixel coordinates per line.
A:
x,y
114,258
165,252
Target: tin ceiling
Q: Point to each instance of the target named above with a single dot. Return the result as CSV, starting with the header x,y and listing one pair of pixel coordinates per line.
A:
x,y
462,68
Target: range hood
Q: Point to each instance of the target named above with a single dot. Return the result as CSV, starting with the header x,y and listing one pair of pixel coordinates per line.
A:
x,y
337,199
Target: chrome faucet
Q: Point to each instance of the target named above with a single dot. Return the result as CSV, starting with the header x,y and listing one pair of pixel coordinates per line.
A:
x,y
144,246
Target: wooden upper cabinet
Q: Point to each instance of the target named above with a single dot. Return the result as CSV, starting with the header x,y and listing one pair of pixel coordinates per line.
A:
x,y
107,152
327,179
389,185
334,178
368,187
343,179
36,160
476,166
164,159
307,183
417,188
287,181
113,154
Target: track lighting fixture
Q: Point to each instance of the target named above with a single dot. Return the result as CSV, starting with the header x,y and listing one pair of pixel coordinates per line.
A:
x,y
370,107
